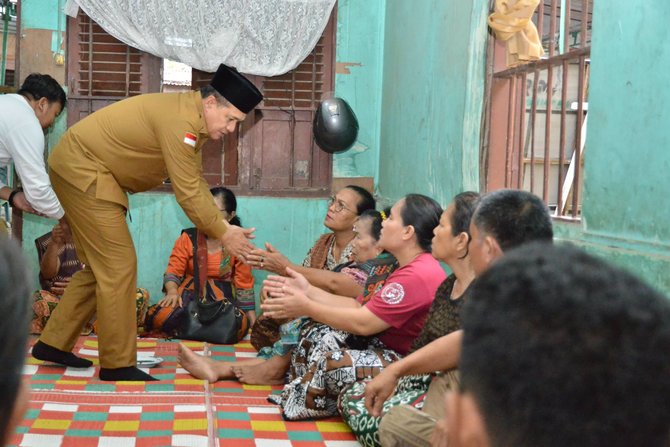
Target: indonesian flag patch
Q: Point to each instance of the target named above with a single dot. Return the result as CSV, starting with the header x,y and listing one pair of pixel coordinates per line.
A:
x,y
190,139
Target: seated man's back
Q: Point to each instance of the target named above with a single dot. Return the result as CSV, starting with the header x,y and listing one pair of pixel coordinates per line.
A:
x,y
580,355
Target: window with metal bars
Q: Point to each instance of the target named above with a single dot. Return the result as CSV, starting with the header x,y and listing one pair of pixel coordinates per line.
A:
x,y
273,150
536,114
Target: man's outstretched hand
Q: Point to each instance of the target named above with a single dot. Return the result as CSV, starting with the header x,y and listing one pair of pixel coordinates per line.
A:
x,y
236,241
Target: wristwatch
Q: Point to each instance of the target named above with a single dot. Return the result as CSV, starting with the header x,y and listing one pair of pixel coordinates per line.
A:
x,y
10,199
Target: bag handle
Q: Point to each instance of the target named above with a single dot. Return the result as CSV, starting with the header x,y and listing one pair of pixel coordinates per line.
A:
x,y
200,255
199,242
209,316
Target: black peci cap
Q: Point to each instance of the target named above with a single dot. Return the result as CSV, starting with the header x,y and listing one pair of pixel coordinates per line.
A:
x,y
237,89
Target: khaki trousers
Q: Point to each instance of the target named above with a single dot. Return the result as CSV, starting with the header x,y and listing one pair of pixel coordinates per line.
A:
x,y
405,425
106,285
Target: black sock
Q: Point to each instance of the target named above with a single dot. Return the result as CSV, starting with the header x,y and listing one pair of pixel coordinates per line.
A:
x,y
129,373
42,351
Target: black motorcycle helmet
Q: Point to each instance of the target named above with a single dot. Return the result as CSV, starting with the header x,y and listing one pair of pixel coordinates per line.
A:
x,y
335,126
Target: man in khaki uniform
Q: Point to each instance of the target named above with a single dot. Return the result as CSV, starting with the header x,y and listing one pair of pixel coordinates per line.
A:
x,y
131,146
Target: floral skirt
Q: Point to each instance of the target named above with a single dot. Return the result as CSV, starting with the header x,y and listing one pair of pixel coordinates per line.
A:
x,y
45,302
287,336
411,390
322,365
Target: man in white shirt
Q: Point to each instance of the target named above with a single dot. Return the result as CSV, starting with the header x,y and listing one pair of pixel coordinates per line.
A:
x,y
24,117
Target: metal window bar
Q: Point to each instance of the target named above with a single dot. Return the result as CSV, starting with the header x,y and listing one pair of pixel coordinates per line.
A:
x,y
534,159
565,11
523,127
510,131
578,139
563,137
531,123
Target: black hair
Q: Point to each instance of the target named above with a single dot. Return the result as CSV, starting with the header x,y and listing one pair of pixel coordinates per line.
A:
x,y
563,349
465,204
513,217
376,220
37,86
423,213
14,305
464,207
208,90
366,202
229,202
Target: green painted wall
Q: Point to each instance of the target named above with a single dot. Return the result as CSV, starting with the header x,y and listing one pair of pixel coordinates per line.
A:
x,y
360,31
291,225
42,14
627,160
434,53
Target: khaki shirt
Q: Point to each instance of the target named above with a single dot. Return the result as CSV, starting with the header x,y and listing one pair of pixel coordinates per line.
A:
x,y
134,144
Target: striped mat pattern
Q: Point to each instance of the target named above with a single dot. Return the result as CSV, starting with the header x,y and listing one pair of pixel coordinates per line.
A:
x,y
70,407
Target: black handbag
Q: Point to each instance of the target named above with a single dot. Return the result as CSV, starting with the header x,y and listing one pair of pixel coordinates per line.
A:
x,y
218,322
207,319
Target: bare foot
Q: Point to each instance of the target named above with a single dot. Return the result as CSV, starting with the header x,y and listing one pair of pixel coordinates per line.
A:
x,y
209,369
203,367
269,372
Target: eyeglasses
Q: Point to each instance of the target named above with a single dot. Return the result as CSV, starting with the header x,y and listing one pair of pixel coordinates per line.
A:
x,y
338,205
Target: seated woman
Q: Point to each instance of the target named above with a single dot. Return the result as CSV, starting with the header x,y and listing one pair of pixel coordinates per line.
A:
x,y
58,263
450,245
328,357
370,263
331,250
221,266
274,339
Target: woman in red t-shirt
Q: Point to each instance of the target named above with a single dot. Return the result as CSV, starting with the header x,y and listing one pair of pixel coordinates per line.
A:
x,y
353,339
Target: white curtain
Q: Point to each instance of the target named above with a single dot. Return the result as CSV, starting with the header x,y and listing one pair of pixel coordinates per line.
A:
x,y
262,37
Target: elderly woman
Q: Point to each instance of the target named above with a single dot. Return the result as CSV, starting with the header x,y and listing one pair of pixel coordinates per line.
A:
x,y
275,339
357,338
